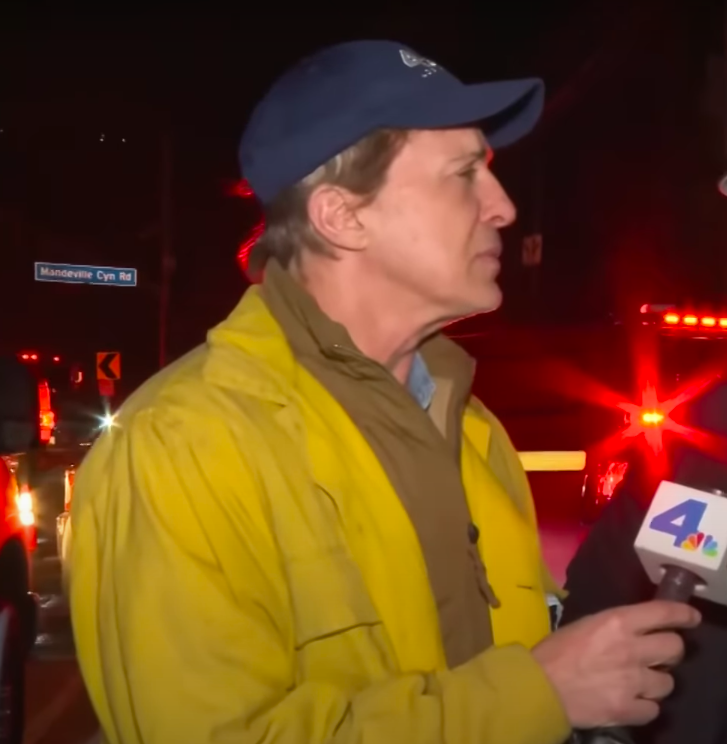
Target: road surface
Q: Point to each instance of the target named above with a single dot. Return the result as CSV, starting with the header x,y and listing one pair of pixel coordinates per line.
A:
x,y
57,707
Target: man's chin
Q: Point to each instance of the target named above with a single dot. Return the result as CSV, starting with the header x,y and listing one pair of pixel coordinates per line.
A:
x,y
489,299
482,302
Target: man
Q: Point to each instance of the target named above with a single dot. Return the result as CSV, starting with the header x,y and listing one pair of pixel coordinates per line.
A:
x,y
307,530
606,572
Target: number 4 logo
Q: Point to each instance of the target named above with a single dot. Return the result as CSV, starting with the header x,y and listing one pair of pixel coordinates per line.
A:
x,y
682,522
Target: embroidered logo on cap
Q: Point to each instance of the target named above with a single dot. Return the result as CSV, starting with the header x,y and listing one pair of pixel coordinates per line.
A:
x,y
410,59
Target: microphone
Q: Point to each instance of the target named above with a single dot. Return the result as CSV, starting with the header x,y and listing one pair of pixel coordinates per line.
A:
x,y
681,543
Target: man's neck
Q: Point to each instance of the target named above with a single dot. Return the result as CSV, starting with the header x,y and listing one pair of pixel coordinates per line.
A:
x,y
382,326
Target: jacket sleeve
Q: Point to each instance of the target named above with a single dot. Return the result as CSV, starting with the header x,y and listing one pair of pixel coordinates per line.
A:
x,y
185,657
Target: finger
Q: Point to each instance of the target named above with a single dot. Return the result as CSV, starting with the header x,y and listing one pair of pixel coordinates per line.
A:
x,y
650,616
656,685
659,649
637,713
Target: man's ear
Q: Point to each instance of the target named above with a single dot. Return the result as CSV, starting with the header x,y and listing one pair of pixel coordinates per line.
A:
x,y
333,212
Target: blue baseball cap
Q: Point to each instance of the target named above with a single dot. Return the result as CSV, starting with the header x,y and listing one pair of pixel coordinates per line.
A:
x,y
331,100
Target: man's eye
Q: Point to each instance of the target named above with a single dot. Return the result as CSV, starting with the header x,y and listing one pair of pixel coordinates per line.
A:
x,y
468,174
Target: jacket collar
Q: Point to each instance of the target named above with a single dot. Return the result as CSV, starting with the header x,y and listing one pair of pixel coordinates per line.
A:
x,y
250,350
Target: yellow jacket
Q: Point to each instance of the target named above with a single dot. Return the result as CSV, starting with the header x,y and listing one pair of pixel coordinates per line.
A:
x,y
242,571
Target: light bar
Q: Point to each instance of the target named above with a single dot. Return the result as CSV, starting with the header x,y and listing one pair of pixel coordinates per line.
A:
x,y
649,309
543,462
690,320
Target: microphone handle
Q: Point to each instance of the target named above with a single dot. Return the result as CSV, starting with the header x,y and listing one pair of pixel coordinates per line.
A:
x,y
677,584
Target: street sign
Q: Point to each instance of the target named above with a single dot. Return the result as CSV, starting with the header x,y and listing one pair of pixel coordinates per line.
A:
x,y
108,365
106,388
80,274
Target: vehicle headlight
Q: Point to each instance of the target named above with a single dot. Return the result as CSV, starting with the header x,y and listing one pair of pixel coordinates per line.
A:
x,y
26,508
108,421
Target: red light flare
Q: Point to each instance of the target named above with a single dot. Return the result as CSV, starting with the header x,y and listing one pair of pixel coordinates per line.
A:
x,y
558,376
242,190
653,419
243,252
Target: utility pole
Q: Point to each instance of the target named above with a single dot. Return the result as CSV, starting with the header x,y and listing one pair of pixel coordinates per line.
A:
x,y
167,249
723,97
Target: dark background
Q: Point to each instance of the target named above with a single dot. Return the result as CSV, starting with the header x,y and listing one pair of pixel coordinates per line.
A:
x,y
620,177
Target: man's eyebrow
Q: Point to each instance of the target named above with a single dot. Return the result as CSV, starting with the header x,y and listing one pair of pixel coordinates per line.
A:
x,y
469,158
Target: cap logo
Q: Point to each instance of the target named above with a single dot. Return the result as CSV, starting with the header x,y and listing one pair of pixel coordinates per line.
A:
x,y
410,59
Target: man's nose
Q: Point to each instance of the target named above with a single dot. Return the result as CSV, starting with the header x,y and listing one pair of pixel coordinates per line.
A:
x,y
497,207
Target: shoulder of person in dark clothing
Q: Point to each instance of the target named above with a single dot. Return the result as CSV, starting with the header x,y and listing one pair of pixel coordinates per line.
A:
x,y
606,572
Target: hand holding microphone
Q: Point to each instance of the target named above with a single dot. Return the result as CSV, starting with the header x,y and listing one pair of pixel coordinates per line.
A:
x,y
681,545
608,668
611,669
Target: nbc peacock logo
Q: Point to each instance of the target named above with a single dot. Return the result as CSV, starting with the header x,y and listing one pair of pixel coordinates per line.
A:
x,y
707,543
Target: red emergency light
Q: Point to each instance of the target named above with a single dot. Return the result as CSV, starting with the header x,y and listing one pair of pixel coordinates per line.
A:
x,y
47,415
33,356
691,320
652,417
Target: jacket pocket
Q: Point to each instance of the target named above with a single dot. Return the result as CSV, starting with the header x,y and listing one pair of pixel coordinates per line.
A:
x,y
523,616
328,596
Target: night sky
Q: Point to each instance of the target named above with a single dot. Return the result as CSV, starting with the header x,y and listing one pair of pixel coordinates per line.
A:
x,y
620,178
